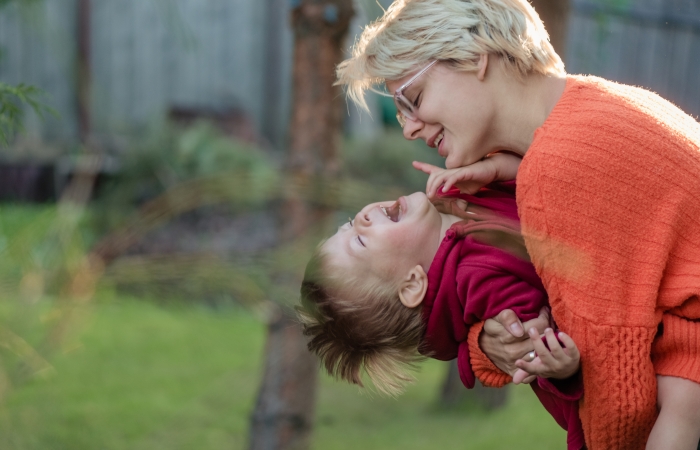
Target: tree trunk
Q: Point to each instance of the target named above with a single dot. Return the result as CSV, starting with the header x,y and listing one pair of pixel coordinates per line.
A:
x,y
453,392
555,15
83,71
283,415
284,412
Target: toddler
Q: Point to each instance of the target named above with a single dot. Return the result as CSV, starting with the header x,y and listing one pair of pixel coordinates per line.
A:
x,y
403,280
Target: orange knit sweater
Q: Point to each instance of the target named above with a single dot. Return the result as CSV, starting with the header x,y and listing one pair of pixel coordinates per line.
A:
x,y
609,200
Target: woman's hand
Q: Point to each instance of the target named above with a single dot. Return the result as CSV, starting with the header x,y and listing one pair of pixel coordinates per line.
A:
x,y
504,341
469,179
556,362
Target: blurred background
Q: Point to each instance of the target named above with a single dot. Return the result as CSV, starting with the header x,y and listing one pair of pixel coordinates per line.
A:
x,y
166,168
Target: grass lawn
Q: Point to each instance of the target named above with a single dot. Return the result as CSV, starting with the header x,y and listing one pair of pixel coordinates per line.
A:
x,y
153,377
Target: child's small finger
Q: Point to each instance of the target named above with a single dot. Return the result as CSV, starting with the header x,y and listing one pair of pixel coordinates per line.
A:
x,y
424,167
450,181
430,189
554,346
571,347
536,339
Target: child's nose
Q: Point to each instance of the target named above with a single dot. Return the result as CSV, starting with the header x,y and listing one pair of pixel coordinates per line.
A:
x,y
362,218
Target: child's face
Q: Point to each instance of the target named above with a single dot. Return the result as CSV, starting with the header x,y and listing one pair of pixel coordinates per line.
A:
x,y
388,238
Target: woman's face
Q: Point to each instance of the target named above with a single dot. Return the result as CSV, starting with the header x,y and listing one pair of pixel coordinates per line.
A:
x,y
454,113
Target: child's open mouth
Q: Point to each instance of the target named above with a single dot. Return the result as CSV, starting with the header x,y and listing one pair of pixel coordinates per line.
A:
x,y
392,212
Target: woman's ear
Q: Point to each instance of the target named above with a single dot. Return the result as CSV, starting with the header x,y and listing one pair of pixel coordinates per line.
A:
x,y
413,288
482,66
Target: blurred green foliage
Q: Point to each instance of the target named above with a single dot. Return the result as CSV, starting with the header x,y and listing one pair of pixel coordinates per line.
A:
x,y
14,98
12,101
42,257
386,161
171,157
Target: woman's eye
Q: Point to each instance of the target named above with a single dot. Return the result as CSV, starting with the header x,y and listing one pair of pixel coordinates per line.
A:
x,y
417,101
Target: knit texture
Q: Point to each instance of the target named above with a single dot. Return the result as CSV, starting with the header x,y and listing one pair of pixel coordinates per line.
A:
x,y
484,370
609,201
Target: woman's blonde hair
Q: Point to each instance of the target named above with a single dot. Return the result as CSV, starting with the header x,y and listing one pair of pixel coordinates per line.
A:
x,y
358,324
413,32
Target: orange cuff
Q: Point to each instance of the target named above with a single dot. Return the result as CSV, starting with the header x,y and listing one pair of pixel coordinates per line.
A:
x,y
485,370
676,352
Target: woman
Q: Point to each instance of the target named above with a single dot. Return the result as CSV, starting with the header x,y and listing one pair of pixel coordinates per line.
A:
x,y
608,193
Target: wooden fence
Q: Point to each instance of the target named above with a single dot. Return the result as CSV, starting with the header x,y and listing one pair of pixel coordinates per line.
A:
x,y
650,43
150,55
147,56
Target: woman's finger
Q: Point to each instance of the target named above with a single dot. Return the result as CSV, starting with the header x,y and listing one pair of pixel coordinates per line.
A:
x,y
519,376
540,323
509,320
529,379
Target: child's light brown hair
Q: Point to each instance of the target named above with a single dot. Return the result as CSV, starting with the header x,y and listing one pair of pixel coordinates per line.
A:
x,y
357,324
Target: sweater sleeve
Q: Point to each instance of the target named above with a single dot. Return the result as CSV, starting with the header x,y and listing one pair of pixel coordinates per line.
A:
x,y
484,369
489,289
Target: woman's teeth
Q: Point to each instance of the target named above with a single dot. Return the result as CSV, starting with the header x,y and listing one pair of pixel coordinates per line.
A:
x,y
439,139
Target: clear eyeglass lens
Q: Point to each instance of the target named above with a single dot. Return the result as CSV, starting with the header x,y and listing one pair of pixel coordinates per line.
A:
x,y
404,110
401,119
405,107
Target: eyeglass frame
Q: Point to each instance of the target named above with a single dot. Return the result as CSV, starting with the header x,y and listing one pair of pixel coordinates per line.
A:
x,y
402,113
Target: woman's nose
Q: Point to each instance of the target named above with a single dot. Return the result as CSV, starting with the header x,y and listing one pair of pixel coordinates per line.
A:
x,y
411,129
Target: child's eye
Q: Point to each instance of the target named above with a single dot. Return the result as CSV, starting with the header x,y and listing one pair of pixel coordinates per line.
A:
x,y
359,239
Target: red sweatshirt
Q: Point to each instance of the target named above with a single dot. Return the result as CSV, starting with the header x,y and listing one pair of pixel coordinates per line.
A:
x,y
473,277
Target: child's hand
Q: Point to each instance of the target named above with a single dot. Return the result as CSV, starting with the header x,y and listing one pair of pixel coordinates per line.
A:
x,y
469,179
555,362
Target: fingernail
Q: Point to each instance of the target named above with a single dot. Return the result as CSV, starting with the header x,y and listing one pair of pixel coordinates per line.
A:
x,y
548,330
517,329
533,332
561,334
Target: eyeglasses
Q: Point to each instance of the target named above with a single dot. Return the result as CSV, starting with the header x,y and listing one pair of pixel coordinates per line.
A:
x,y
405,109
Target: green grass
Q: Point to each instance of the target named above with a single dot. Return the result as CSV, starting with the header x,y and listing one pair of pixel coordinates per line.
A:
x,y
152,377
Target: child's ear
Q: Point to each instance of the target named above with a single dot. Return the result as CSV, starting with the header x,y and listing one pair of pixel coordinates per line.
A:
x,y
413,288
482,66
